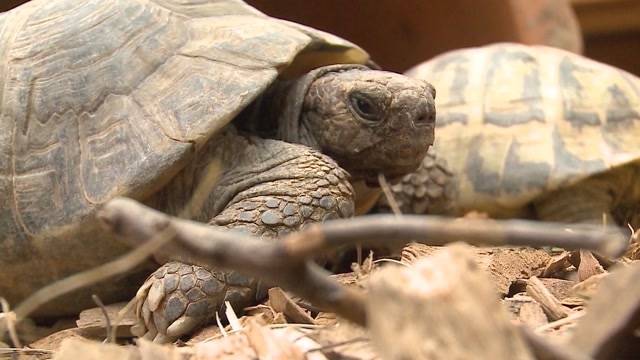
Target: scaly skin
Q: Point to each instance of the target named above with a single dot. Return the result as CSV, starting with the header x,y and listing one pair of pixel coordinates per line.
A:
x,y
427,190
297,186
370,122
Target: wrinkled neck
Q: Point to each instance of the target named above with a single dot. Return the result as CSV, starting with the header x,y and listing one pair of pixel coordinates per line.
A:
x,y
278,114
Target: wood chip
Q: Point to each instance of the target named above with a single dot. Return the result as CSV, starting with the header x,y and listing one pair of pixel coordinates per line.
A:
x,y
588,288
557,264
281,302
589,266
551,306
532,315
560,288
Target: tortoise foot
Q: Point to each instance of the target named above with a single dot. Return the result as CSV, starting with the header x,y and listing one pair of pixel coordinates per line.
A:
x,y
178,298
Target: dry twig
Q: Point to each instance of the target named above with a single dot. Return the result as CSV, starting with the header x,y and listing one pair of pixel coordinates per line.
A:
x,y
286,262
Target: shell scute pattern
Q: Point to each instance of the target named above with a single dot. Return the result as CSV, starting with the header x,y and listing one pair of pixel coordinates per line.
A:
x,y
112,98
532,119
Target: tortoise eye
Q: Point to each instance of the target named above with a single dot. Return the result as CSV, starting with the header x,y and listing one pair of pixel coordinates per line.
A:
x,y
365,107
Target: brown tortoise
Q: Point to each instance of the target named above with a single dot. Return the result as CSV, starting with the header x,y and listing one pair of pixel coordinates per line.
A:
x,y
104,98
529,131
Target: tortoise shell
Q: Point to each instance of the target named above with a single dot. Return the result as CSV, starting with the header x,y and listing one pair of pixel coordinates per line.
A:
x,y
109,97
516,121
104,98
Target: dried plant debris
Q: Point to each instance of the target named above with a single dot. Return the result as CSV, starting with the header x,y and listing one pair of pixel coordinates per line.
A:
x,y
505,265
453,307
610,328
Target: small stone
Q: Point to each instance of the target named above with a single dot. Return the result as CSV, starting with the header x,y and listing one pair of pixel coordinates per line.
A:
x,y
322,182
306,211
421,191
304,199
195,294
187,282
272,203
340,174
327,202
171,283
325,168
316,194
248,216
333,179
271,217
175,307
290,209
292,221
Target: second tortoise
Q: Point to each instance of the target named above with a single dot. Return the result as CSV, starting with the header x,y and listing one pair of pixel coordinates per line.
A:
x,y
529,132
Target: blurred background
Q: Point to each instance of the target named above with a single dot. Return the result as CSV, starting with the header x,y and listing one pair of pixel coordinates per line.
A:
x,y
400,34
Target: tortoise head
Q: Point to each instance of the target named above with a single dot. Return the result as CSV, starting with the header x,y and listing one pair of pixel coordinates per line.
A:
x,y
369,121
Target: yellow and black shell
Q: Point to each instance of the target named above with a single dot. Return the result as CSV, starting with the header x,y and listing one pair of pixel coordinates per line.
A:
x,y
517,121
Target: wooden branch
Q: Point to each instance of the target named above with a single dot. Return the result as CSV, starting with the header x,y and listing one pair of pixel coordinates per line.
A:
x,y
136,223
226,249
286,262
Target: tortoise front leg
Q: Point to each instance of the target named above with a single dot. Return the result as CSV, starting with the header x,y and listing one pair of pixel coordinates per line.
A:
x,y
302,186
427,190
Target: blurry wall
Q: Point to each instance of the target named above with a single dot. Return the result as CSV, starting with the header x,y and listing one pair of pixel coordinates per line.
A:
x,y
401,33
612,31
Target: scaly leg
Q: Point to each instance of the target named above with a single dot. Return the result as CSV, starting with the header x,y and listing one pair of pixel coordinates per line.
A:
x,y
428,190
269,188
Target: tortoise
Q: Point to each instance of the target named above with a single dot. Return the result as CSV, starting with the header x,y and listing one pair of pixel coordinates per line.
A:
x,y
529,132
105,98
